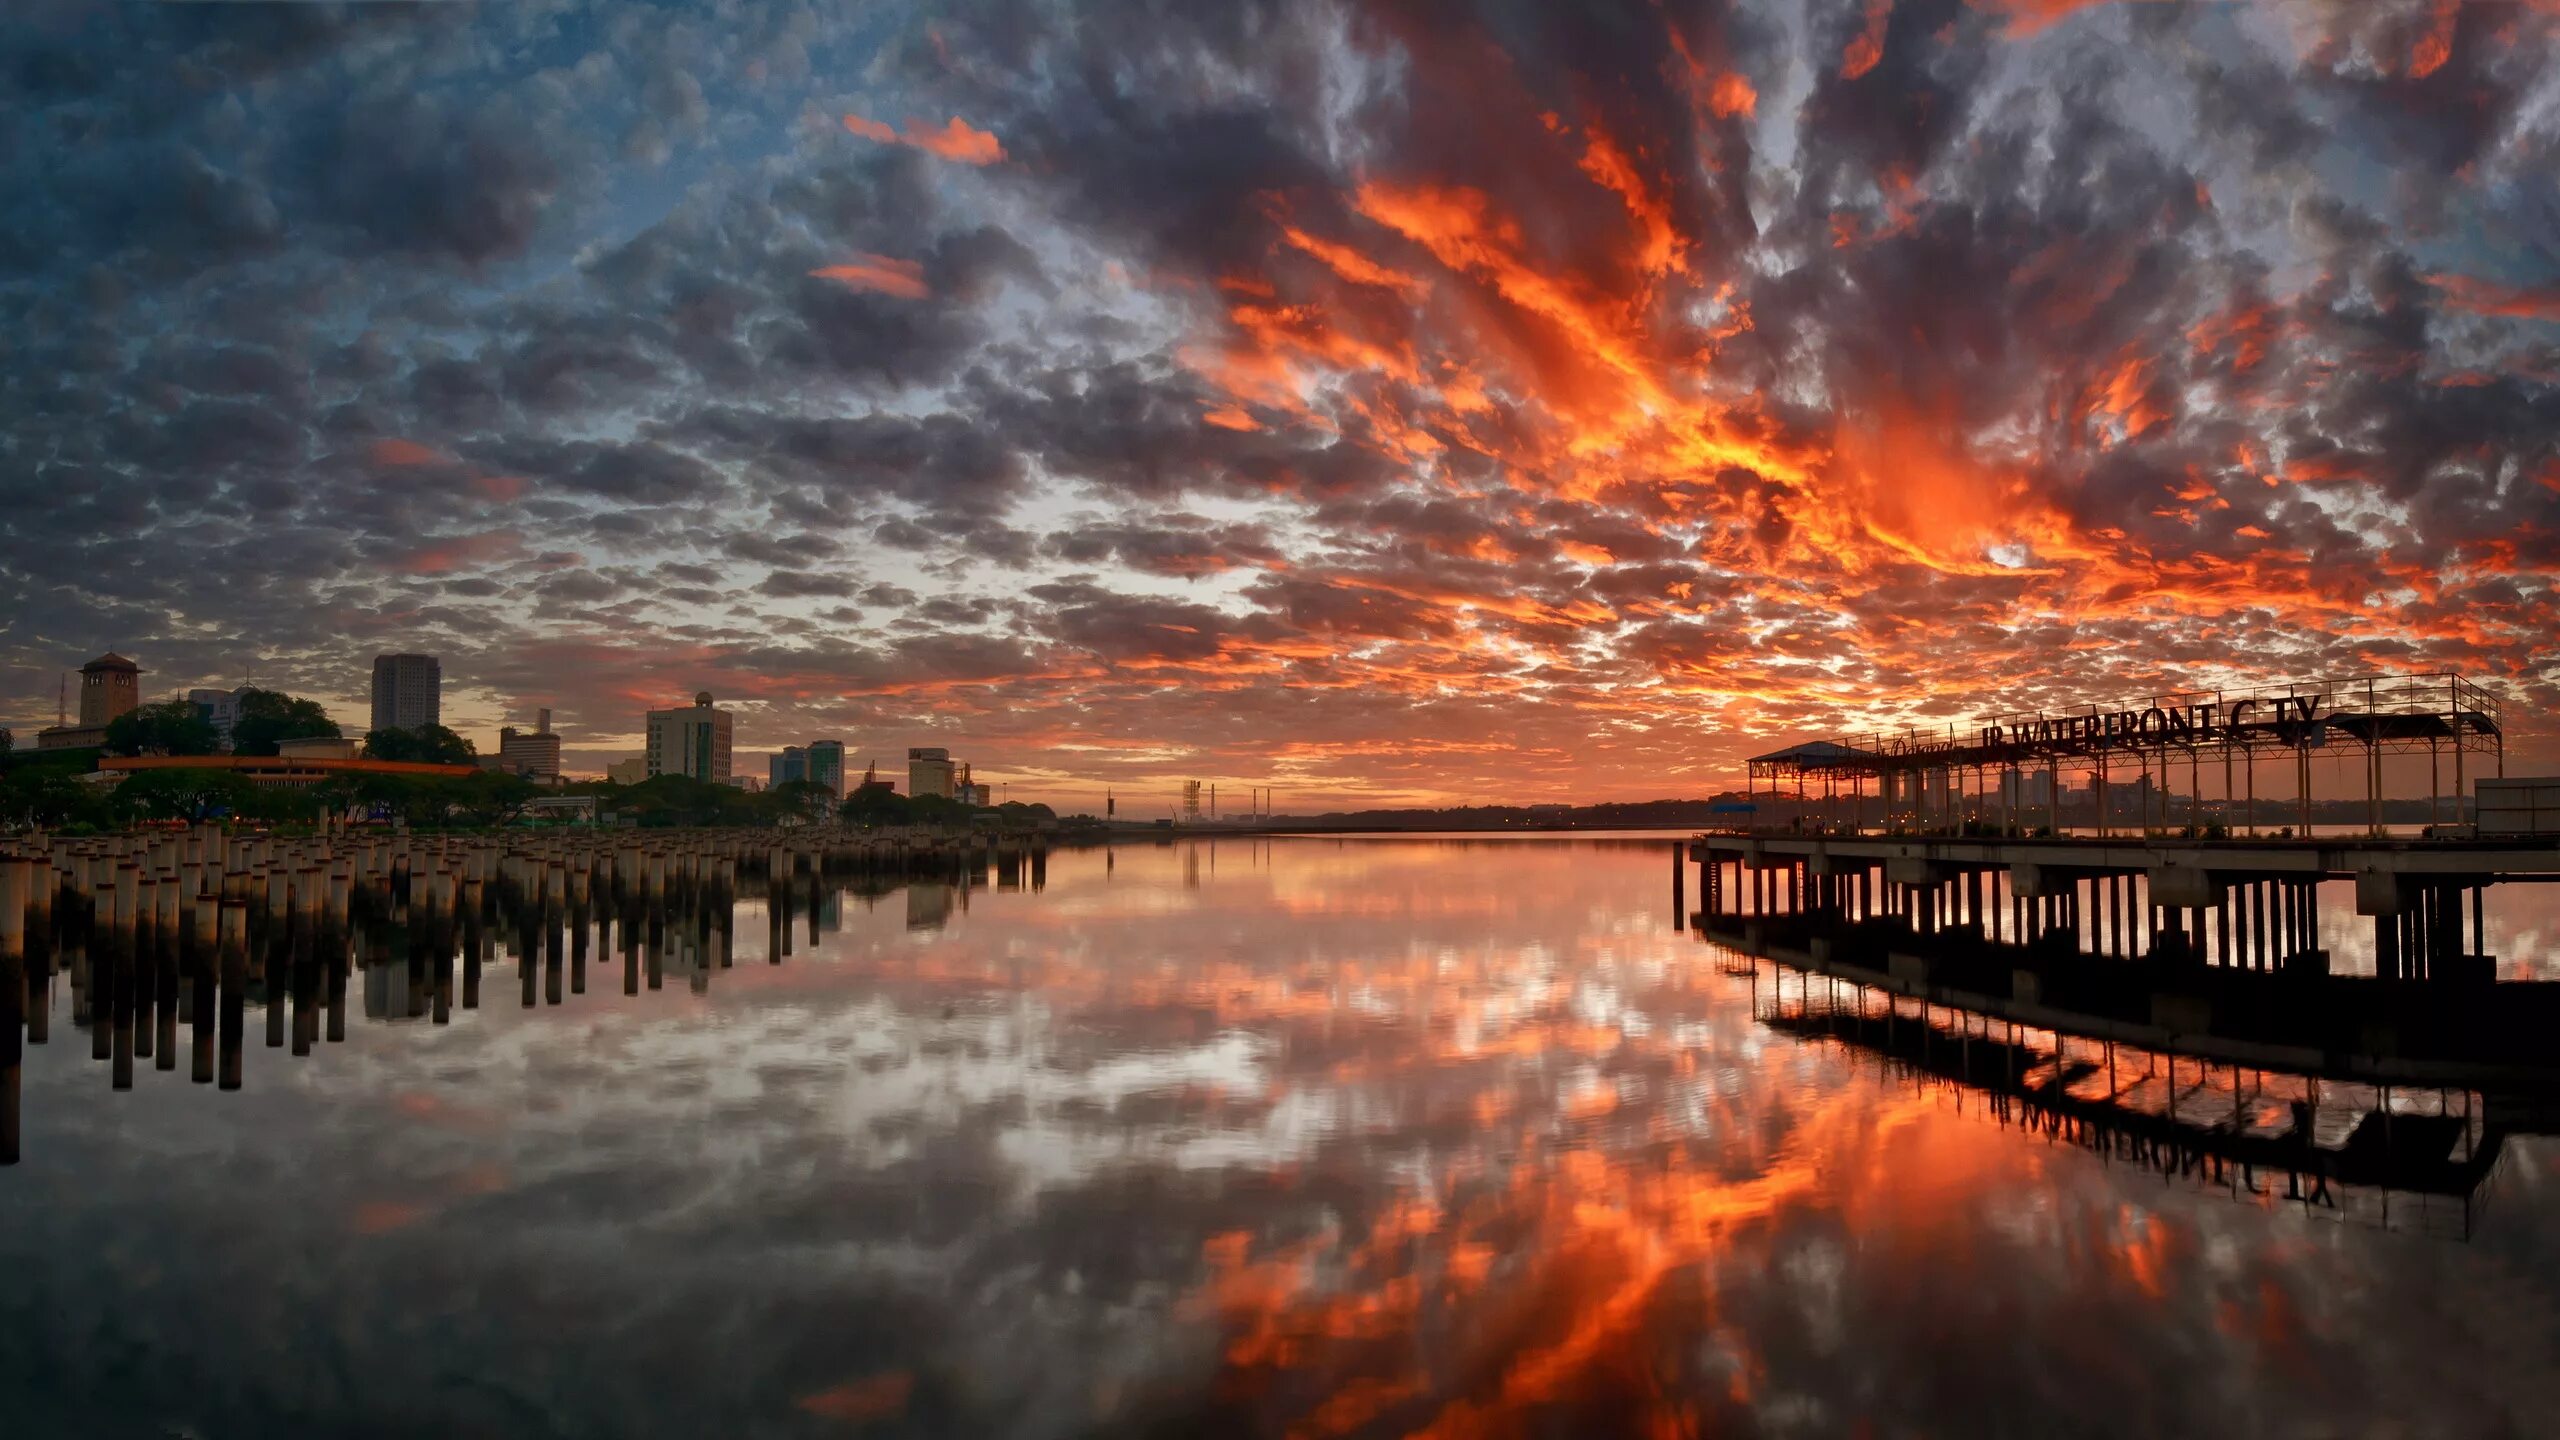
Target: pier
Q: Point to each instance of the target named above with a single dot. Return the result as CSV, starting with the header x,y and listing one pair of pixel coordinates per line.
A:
x,y
2241,905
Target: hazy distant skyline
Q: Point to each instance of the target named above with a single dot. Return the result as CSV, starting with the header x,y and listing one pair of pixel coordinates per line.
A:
x,y
1392,402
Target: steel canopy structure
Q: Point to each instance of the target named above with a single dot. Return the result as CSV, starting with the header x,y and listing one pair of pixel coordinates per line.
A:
x,y
1921,776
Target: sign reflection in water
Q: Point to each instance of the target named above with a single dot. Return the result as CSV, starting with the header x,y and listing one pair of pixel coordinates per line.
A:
x,y
1315,1137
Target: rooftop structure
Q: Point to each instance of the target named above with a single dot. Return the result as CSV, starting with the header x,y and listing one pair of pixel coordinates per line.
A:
x,y
1922,776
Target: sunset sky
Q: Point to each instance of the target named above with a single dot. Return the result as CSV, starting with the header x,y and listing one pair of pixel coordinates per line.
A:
x,y
1383,402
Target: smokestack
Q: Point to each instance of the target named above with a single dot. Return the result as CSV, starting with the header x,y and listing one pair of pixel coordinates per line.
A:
x,y
542,721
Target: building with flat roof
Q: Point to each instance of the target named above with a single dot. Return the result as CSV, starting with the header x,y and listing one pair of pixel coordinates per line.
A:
x,y
407,692
787,765
533,754
628,772
320,747
220,709
826,765
930,771
691,741
277,770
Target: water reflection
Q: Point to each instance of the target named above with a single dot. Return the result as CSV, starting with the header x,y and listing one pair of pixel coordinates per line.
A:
x,y
1297,1137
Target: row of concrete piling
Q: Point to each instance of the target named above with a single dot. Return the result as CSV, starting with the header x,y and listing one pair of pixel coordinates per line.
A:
x,y
157,930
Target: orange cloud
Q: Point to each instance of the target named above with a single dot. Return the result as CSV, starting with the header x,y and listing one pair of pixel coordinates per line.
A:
x,y
2435,47
440,555
1865,49
954,139
2490,297
404,452
1732,95
889,276
875,1397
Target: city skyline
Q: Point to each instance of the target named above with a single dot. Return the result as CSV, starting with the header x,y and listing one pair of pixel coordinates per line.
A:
x,y
1386,403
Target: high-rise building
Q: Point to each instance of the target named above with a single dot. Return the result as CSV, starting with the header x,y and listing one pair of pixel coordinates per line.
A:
x,y
930,772
407,692
791,764
220,709
692,741
826,765
535,756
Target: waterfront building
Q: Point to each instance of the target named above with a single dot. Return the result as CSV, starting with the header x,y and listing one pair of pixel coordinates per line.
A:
x,y
930,772
407,692
691,741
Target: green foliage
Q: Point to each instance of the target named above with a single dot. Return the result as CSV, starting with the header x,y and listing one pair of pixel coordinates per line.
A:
x,y
426,744
871,807
51,797
181,794
488,797
804,800
171,727
269,717
8,741
683,800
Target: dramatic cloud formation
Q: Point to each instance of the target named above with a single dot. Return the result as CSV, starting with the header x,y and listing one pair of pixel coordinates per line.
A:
x,y
1404,399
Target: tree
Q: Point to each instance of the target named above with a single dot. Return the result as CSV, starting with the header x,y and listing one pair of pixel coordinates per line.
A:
x,y
427,744
172,727
936,810
269,717
55,799
871,806
8,741
804,800
182,794
490,797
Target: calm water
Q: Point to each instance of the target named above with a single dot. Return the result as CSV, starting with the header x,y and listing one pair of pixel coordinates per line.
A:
x,y
1296,1137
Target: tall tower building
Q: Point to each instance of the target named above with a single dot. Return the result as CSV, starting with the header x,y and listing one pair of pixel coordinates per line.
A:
x,y
407,692
792,764
110,686
826,765
692,741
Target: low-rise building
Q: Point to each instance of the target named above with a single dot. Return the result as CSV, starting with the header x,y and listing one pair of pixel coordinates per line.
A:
x,y
277,770
319,747
628,772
